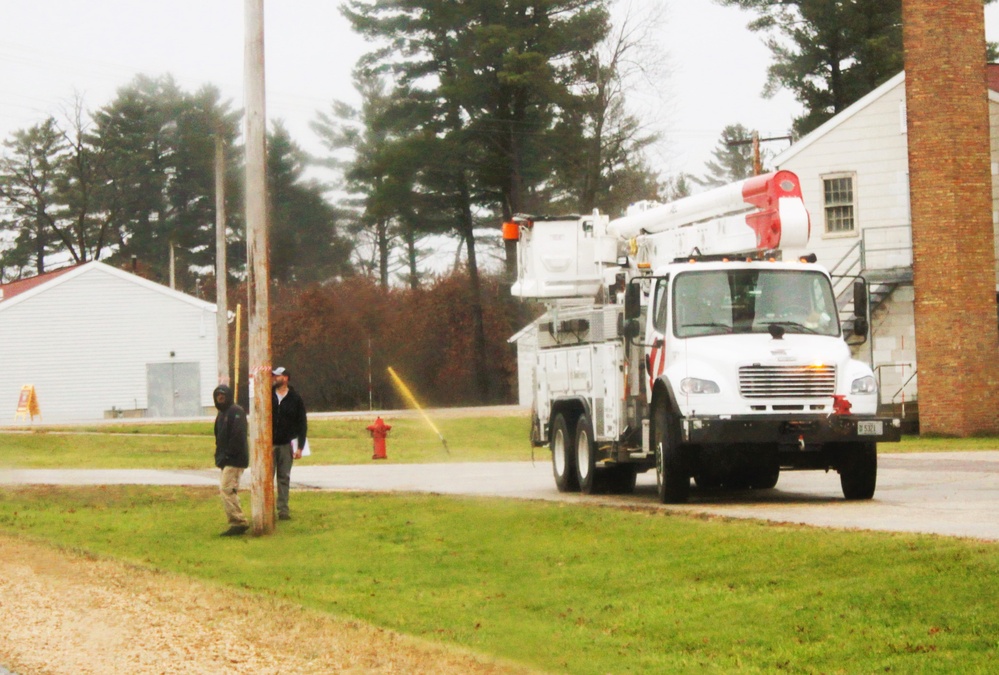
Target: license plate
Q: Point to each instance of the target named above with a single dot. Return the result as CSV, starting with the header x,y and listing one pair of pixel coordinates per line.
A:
x,y
870,428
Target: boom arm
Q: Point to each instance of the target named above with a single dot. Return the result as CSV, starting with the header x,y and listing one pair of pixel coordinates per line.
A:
x,y
569,257
770,205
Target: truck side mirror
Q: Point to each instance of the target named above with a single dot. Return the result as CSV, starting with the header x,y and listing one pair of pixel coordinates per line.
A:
x,y
860,326
632,301
860,298
628,328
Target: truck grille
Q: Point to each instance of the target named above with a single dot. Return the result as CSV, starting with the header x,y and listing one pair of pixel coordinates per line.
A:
x,y
787,381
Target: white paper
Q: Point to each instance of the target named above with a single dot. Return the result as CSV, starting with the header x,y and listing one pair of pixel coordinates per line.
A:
x,y
305,448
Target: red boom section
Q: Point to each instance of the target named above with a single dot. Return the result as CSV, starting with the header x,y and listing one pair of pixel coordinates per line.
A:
x,y
764,192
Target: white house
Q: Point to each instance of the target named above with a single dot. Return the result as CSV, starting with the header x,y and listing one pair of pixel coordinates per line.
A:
x,y
854,176
96,341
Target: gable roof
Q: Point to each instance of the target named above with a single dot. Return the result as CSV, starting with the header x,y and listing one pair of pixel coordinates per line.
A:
x,y
839,118
66,275
12,288
992,77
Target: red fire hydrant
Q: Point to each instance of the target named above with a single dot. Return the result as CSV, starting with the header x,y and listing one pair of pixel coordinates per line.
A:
x,y
379,430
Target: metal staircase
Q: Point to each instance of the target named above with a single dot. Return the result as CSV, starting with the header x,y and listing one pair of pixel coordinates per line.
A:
x,y
882,256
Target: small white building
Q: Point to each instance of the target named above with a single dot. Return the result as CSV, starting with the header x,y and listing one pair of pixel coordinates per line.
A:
x,y
854,173
98,342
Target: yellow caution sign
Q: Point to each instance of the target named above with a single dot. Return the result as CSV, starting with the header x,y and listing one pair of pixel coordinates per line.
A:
x,y
27,404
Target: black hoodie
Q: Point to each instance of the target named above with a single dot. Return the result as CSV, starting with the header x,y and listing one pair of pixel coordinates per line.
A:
x,y
230,431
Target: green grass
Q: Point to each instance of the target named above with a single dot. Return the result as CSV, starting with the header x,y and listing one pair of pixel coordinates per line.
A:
x,y
191,445
577,589
939,444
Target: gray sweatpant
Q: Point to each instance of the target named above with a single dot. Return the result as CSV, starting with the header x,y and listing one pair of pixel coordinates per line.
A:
x,y
282,471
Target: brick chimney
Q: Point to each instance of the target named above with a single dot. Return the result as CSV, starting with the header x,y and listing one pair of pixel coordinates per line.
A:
x,y
950,184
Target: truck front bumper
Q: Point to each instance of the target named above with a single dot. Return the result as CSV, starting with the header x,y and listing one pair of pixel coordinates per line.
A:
x,y
805,432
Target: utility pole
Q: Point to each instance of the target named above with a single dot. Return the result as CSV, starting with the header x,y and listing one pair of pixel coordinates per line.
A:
x,y
221,266
173,267
757,160
258,305
755,142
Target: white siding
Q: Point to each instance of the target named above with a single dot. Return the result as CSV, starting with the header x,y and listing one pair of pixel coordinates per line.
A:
x,y
84,340
871,144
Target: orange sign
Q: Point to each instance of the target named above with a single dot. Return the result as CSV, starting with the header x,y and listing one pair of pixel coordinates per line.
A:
x,y
27,404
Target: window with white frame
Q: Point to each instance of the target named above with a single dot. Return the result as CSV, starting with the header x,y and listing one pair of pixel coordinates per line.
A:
x,y
839,203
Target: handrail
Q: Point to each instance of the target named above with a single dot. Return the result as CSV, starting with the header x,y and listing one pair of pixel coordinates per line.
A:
x,y
867,248
878,370
835,268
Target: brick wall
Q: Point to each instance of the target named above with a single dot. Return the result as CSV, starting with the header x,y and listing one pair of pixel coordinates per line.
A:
x,y
957,341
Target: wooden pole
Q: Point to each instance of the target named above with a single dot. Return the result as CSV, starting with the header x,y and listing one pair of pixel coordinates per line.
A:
x,y
173,267
757,162
261,448
221,266
238,348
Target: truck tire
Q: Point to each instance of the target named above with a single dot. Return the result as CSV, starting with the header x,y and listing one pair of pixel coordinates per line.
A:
x,y
765,478
858,470
563,445
588,476
672,477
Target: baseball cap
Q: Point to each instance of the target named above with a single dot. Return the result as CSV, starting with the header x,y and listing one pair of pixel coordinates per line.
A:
x,y
281,370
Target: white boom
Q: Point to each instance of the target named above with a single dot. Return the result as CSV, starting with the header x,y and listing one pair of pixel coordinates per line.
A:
x,y
567,257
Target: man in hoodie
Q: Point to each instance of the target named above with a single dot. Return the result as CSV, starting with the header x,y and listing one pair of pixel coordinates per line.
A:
x,y
289,429
231,455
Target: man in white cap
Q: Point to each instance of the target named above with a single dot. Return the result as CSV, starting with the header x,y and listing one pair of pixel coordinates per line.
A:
x,y
289,427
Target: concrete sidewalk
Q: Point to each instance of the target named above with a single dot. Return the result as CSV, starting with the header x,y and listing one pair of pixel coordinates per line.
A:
x,y
954,494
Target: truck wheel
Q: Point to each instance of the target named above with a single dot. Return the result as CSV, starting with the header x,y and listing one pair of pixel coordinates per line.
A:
x,y
563,456
589,477
858,470
672,479
765,478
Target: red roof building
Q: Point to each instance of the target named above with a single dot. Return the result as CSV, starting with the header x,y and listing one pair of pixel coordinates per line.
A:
x,y
9,290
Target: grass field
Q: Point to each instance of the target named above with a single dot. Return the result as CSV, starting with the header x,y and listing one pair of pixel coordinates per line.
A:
x,y
576,589
189,445
579,589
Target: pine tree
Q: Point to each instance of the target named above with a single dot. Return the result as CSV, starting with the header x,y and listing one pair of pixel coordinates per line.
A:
x,y
733,158
488,77
828,53
305,245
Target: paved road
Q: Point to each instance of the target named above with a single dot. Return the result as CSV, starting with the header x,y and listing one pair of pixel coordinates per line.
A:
x,y
955,493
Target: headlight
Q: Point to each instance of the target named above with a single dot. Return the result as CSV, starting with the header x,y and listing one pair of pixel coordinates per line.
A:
x,y
864,385
692,385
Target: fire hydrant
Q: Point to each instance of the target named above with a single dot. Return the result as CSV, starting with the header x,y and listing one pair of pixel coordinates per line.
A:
x,y
379,430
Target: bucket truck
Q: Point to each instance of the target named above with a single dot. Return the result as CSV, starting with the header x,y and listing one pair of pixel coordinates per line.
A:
x,y
675,338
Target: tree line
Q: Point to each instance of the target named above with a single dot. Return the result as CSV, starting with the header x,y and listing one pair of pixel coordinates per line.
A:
x,y
469,113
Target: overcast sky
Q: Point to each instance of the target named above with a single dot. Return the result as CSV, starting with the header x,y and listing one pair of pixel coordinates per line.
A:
x,y
53,49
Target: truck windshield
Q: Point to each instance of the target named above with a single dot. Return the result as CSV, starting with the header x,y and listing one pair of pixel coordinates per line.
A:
x,y
716,302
